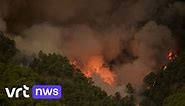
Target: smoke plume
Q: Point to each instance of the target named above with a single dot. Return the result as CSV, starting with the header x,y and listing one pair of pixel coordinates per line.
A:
x,y
126,38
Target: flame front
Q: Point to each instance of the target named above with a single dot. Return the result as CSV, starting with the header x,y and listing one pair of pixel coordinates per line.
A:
x,y
95,65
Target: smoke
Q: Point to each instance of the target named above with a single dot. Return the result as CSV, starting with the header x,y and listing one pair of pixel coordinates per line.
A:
x,y
2,22
39,37
81,43
149,45
2,25
125,36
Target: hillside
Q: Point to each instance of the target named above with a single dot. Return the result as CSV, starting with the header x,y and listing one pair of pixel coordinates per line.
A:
x,y
50,69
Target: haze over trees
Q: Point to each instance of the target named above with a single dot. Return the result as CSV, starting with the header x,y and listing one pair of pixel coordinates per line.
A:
x,y
51,69
164,88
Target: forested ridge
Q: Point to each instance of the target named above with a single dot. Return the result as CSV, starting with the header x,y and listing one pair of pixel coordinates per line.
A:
x,y
166,87
16,70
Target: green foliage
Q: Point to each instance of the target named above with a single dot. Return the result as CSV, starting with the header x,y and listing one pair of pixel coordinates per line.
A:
x,y
7,49
51,69
129,89
177,99
129,99
165,82
150,79
77,89
14,76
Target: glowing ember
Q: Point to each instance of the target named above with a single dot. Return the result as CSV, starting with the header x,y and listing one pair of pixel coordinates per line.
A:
x,y
171,55
165,67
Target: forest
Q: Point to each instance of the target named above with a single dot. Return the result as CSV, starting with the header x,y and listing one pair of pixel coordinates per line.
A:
x,y
164,88
101,52
16,70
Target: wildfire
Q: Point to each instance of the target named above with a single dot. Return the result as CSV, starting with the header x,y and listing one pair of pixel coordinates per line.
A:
x,y
171,55
95,65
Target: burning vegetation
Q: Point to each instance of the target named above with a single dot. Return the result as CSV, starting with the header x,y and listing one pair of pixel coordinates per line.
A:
x,y
95,65
115,42
171,55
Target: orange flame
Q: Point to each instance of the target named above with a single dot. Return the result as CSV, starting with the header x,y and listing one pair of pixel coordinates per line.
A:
x,y
171,55
95,65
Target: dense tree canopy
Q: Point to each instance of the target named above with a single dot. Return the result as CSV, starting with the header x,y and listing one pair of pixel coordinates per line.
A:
x,y
7,48
177,99
165,83
51,69
166,87
15,76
